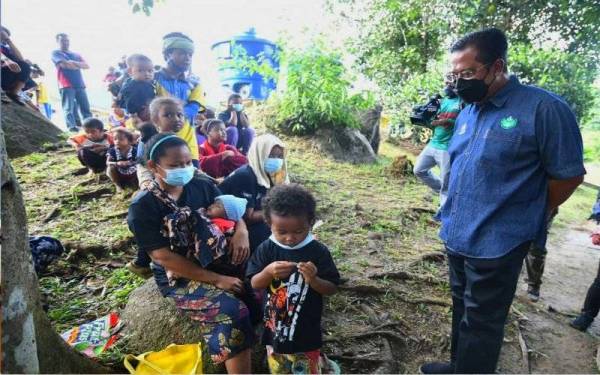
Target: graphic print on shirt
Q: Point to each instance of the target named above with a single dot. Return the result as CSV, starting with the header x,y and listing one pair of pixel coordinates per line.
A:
x,y
284,306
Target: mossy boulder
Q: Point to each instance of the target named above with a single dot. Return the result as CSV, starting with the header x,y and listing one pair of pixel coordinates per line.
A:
x,y
27,131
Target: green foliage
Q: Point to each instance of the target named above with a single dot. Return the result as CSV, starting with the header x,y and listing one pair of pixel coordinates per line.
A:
x,y
399,43
573,23
144,6
564,73
316,91
250,64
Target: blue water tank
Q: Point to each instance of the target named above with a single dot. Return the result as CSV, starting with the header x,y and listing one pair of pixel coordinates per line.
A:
x,y
252,86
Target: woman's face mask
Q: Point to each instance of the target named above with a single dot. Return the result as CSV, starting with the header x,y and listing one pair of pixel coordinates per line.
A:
x,y
238,107
178,176
273,165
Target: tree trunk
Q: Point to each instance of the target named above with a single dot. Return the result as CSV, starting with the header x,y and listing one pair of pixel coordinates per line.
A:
x,y
29,343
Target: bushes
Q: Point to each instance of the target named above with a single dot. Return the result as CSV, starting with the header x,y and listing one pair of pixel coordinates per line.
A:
x,y
566,74
315,92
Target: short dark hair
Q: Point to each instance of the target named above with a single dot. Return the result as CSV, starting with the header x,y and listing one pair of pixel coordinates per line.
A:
x,y
162,148
138,58
211,123
234,96
122,132
491,44
157,103
209,113
60,35
93,123
147,131
290,200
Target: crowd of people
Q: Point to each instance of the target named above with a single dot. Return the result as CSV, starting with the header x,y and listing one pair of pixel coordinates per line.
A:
x,y
228,238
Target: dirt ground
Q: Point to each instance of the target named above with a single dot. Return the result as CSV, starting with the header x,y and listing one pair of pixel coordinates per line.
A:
x,y
393,311
555,347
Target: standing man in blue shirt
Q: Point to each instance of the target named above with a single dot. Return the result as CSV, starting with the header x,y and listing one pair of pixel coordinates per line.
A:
x,y
516,155
70,82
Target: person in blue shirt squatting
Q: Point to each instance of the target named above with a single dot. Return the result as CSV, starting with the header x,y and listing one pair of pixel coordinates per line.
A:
x,y
516,155
266,168
192,261
297,271
174,80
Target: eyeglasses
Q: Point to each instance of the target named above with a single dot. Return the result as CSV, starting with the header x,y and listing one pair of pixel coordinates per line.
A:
x,y
465,74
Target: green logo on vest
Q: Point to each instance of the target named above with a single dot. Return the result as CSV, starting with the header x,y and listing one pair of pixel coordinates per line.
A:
x,y
508,123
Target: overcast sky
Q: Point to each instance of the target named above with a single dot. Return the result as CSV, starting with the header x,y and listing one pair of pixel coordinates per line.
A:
x,y
103,30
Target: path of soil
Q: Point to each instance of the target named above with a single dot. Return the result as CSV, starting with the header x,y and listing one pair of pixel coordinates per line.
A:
x,y
571,266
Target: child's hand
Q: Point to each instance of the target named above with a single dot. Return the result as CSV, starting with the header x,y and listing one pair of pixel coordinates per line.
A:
x,y
123,164
281,269
227,154
308,271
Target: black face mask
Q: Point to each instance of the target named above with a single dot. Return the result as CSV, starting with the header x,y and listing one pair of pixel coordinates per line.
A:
x,y
471,90
450,92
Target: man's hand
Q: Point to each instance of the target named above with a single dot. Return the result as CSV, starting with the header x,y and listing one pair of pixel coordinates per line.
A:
x,y
123,164
230,284
227,154
281,269
308,271
239,247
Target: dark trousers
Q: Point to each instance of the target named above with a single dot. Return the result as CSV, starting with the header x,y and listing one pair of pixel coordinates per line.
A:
x,y
482,292
143,259
591,306
73,101
535,263
94,161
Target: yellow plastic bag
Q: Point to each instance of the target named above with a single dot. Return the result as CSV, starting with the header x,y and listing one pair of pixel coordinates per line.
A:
x,y
174,359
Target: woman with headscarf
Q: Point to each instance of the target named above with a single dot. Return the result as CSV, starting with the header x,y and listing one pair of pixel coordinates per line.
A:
x,y
266,168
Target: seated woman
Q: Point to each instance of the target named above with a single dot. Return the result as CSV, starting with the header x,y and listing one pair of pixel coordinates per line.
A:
x,y
166,223
266,168
218,159
15,70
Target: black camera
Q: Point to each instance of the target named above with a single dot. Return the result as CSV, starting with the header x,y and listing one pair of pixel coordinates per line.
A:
x,y
423,114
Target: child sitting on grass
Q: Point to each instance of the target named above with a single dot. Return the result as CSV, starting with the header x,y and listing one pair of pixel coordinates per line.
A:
x,y
297,272
92,145
121,161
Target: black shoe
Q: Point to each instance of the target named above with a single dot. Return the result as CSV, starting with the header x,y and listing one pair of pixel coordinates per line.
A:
x,y
582,322
533,292
436,368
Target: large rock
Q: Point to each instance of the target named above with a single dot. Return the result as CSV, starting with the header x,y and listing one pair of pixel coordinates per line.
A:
x,y
26,131
344,144
152,322
370,123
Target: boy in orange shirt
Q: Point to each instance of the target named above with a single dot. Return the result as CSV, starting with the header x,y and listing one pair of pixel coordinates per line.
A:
x,y
92,145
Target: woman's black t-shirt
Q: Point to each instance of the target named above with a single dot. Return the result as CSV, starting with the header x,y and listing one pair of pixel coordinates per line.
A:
x,y
293,309
146,213
243,184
